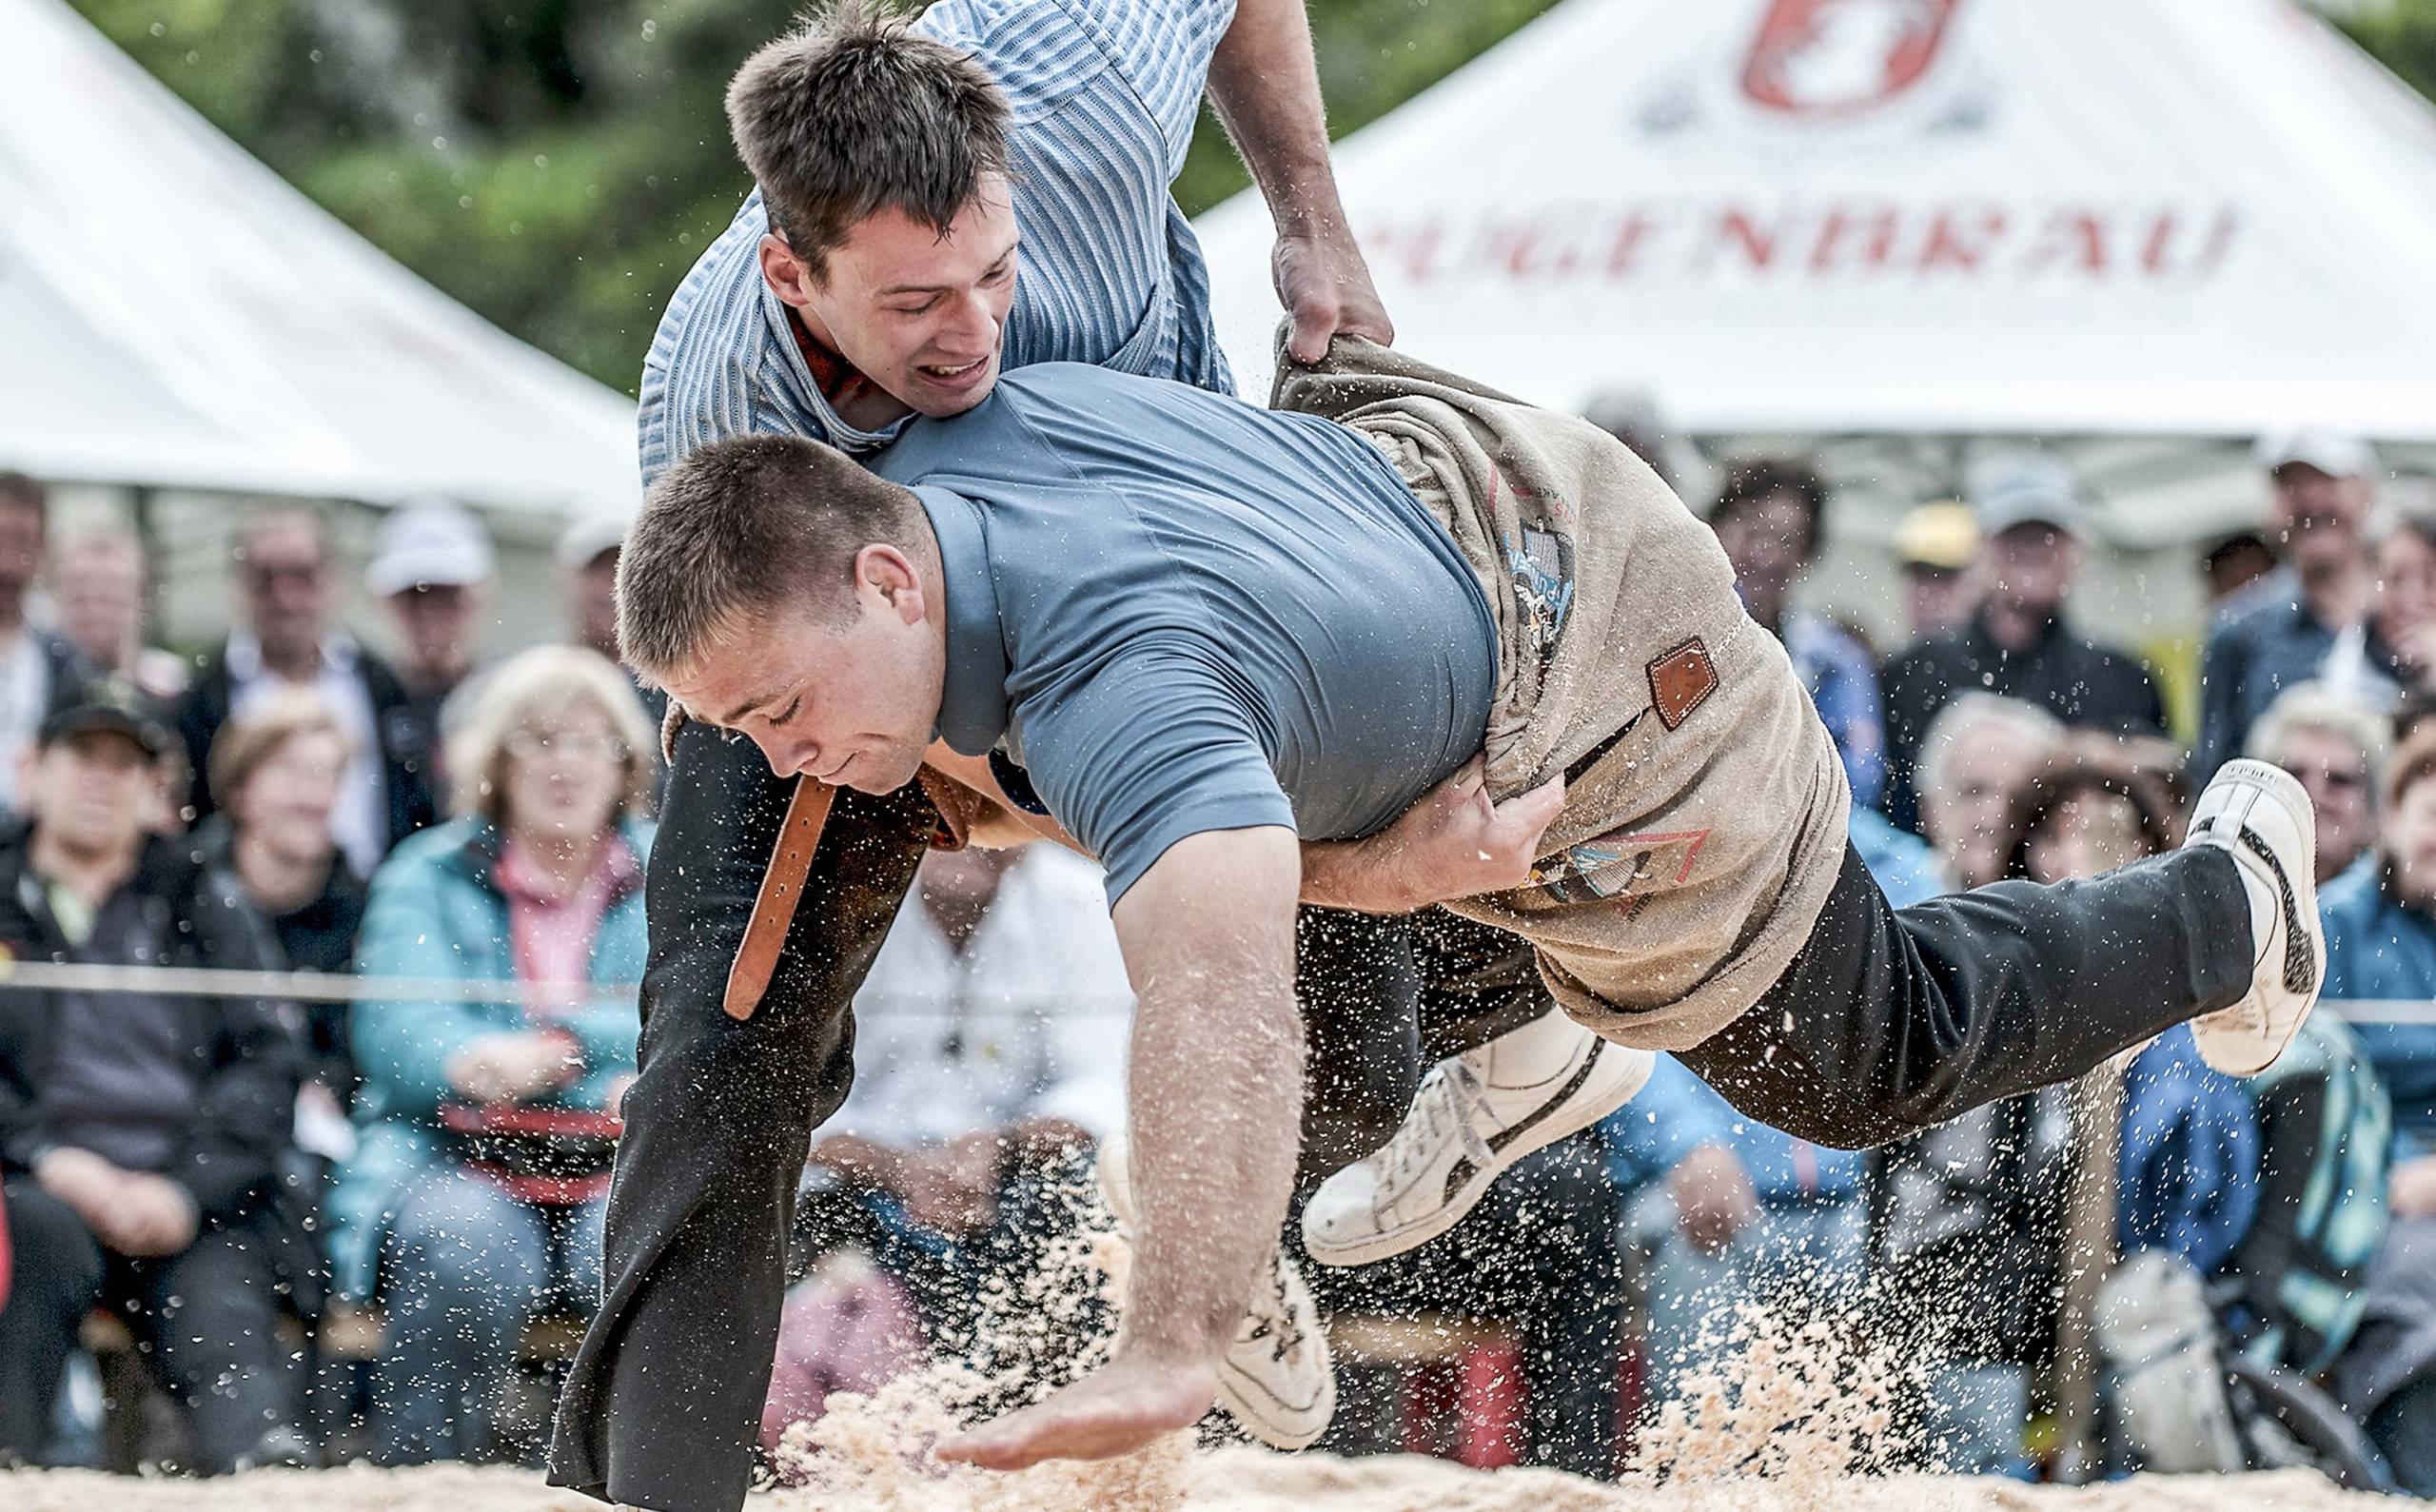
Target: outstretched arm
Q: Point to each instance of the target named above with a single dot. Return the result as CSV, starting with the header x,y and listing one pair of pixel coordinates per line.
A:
x,y
1455,841
1266,89
1216,1075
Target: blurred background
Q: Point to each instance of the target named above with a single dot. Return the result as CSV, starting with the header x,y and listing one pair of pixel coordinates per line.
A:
x,y
2141,234
2006,344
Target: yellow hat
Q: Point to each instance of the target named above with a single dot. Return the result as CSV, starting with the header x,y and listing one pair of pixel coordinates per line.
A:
x,y
1941,534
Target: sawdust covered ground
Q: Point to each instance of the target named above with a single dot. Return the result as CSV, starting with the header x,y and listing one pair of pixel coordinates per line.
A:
x,y
1222,1481
1787,1417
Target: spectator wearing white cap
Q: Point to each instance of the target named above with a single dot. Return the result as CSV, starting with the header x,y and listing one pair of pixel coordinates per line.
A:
x,y
2017,643
2279,631
432,569
588,552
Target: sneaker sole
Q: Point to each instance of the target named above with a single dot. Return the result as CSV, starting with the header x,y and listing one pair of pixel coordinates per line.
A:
x,y
2298,895
1553,1121
1241,1393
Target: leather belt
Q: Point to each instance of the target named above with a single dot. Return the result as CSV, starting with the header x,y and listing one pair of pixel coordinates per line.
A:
x,y
774,907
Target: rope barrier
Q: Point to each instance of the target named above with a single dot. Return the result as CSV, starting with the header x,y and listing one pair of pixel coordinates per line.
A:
x,y
329,987
301,987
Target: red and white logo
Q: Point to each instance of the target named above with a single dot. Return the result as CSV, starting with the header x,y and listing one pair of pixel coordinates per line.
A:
x,y
1842,57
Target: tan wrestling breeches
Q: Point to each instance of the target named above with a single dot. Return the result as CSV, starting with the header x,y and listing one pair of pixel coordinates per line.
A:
x,y
1705,806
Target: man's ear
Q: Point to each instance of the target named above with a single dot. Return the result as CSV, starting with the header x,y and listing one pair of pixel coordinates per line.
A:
x,y
890,572
789,275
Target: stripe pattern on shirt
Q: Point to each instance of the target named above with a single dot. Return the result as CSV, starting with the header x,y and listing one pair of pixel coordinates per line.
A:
x,y
1104,99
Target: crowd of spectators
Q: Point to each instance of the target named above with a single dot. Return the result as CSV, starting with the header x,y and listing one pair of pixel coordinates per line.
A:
x,y
466,828
2274,1224
223,1172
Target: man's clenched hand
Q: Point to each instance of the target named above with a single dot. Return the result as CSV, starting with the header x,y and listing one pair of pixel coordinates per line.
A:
x,y
1455,842
1325,287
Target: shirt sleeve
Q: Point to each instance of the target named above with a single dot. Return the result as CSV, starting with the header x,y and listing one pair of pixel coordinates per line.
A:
x,y
701,380
1150,747
1161,49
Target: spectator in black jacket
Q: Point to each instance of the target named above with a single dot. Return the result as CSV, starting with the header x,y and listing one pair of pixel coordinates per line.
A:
x,y
289,639
40,674
140,1131
278,772
2017,644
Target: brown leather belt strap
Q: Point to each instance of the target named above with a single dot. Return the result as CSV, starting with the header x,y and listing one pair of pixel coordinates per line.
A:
x,y
774,910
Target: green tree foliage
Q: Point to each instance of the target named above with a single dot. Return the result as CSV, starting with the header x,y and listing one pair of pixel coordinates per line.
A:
x,y
2402,35
558,165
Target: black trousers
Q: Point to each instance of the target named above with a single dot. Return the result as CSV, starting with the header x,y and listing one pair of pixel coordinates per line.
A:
x,y
1893,1020
1886,1022
206,1317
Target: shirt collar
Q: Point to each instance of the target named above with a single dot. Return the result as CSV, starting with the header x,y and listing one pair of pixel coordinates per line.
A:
x,y
972,707
244,654
848,439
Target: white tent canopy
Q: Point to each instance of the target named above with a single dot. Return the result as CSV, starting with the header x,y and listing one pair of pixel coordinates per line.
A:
x,y
2090,218
173,314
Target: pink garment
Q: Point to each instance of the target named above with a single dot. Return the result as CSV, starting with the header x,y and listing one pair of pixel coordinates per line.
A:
x,y
551,936
848,1326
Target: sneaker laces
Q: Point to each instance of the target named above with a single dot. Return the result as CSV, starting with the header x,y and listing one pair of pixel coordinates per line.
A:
x,y
1437,1111
1273,1318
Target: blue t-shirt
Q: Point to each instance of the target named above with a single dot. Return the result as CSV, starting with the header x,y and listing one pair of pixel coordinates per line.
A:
x,y
1176,612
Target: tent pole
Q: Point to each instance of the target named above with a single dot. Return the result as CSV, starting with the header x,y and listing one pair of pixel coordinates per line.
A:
x,y
141,502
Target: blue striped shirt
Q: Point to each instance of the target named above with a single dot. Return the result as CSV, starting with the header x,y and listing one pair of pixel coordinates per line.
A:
x,y
1104,99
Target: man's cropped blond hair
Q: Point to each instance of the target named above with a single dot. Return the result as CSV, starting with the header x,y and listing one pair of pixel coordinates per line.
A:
x,y
851,113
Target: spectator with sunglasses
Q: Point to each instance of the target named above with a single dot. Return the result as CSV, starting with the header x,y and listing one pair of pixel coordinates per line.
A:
x,y
2337,746
289,639
475,1197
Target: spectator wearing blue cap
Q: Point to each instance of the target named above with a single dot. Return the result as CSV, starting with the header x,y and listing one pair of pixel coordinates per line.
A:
x,y
2018,644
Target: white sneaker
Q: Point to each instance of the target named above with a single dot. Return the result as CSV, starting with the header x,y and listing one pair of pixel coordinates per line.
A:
x,y
2260,813
1277,1379
1475,1115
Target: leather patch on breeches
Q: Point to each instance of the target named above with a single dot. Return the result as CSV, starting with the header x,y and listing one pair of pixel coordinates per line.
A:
x,y
1680,681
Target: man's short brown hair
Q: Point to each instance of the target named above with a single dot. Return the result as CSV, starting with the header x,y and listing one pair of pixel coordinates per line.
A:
x,y
853,113
17,491
742,528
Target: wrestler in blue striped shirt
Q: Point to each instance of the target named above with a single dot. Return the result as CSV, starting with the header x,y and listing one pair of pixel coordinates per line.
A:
x,y
1102,101
899,173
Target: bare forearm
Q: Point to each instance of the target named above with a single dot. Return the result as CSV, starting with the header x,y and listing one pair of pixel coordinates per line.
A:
x,y
1355,875
1454,842
1215,1081
1267,90
1217,1092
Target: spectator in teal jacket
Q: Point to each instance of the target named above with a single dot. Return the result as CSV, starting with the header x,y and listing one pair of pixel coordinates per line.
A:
x,y
2381,975
474,1199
